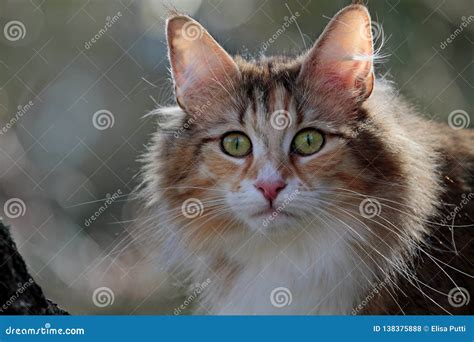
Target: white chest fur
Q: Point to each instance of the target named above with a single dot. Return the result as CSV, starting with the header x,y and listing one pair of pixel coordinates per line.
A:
x,y
307,276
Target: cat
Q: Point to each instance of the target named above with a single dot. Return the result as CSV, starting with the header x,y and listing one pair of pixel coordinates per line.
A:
x,y
306,185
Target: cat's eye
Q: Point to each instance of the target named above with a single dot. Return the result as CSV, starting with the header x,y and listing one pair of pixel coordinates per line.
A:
x,y
307,141
236,144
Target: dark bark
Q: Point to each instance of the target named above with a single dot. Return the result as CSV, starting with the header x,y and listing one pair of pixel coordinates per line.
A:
x,y
19,293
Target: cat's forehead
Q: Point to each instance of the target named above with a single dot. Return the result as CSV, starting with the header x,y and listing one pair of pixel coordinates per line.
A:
x,y
268,106
267,72
271,96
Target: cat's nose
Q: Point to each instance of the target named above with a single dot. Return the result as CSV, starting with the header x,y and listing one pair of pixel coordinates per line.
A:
x,y
270,189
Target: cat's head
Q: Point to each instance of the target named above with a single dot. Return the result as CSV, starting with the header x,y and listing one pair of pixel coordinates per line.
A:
x,y
275,141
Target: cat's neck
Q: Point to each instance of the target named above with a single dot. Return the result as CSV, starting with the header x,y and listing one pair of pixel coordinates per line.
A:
x,y
317,271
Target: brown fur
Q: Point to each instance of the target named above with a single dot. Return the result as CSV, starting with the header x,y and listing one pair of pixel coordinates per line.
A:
x,y
381,149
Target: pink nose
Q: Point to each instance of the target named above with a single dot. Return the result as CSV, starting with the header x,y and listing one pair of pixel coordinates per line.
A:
x,y
270,189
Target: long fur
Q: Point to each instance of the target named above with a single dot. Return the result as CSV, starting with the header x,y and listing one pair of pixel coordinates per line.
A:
x,y
327,255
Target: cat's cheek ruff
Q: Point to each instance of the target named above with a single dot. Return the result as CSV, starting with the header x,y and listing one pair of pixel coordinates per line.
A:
x,y
381,236
386,161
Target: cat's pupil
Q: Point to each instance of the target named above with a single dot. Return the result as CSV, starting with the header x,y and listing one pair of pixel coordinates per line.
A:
x,y
237,143
309,141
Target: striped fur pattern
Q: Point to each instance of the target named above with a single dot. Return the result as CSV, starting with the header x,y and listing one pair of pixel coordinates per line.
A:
x,y
351,216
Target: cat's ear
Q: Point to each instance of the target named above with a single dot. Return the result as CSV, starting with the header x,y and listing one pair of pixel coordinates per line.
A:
x,y
201,69
343,55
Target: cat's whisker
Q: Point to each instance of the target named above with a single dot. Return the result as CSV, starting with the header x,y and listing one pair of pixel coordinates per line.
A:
x,y
423,251
143,232
96,201
383,199
406,275
415,245
141,235
191,187
381,269
345,130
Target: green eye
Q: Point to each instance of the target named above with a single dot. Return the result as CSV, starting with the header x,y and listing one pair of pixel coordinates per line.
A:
x,y
236,144
307,141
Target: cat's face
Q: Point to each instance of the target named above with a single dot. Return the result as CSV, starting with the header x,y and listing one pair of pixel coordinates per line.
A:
x,y
275,163
268,143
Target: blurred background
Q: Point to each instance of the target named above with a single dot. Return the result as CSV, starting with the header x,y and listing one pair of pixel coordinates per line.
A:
x,y
77,78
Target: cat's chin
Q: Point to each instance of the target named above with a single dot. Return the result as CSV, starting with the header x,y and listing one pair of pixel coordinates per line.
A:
x,y
271,222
